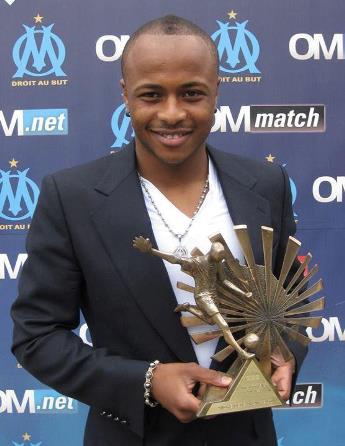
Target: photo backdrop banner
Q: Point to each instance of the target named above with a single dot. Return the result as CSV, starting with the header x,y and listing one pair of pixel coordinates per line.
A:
x,y
281,101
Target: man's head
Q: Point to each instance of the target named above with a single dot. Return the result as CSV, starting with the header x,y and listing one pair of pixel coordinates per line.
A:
x,y
173,26
170,84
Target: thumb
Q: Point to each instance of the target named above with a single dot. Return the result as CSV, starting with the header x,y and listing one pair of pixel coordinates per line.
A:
x,y
212,377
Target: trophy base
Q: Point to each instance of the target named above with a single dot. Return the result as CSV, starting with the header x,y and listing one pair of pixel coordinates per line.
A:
x,y
250,389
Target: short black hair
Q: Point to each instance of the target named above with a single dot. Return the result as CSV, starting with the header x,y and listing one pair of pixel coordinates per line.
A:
x,y
170,25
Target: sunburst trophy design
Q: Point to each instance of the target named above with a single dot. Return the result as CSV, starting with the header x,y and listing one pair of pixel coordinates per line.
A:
x,y
249,300
270,307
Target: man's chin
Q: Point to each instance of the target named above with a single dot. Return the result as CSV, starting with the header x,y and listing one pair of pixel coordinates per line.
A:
x,y
173,160
170,156
173,157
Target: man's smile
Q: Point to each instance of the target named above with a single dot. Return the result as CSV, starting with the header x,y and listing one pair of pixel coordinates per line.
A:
x,y
172,137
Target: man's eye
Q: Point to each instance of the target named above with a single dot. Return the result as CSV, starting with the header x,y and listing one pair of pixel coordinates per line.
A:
x,y
192,94
150,95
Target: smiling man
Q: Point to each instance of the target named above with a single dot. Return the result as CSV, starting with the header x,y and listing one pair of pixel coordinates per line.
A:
x,y
169,186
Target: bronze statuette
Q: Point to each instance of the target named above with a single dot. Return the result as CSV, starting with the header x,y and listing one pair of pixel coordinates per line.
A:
x,y
250,300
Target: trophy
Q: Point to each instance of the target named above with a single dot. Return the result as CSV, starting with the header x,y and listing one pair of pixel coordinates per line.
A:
x,y
250,300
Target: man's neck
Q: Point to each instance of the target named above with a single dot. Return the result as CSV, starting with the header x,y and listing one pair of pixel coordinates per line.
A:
x,y
181,183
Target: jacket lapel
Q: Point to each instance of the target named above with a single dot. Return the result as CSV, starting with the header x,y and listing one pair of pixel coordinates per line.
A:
x,y
122,216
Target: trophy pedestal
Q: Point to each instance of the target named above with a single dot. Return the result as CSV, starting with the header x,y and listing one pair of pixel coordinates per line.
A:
x,y
250,389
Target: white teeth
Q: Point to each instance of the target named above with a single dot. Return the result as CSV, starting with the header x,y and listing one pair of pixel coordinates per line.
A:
x,y
175,136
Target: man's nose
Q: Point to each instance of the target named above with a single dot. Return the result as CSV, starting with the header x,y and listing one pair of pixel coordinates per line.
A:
x,y
171,111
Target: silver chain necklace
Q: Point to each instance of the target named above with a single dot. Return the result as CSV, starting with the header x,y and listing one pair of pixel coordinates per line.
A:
x,y
180,250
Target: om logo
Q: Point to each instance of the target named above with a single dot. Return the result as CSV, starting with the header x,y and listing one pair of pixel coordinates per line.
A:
x,y
121,126
238,48
18,195
39,52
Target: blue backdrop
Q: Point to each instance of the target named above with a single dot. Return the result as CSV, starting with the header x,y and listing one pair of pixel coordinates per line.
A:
x,y
60,105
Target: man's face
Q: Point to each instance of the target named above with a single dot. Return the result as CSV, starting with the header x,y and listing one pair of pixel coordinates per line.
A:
x,y
170,89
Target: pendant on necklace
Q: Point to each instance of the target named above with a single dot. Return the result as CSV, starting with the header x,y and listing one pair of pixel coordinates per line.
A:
x,y
180,251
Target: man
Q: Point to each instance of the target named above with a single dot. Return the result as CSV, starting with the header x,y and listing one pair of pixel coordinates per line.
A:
x,y
168,186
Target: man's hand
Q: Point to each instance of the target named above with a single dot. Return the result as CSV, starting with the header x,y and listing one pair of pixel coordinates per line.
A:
x,y
172,386
143,244
282,375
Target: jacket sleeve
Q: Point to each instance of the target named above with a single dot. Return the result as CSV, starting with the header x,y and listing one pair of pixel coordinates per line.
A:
x,y
288,228
47,310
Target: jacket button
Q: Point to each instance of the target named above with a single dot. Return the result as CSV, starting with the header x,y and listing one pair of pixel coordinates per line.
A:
x,y
123,421
110,415
102,413
116,419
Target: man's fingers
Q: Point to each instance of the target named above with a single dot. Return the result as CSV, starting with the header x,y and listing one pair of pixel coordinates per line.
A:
x,y
278,380
283,392
173,384
185,417
207,376
283,384
186,408
202,390
193,404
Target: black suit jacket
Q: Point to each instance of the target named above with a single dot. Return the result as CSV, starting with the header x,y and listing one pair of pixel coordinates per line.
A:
x,y
81,257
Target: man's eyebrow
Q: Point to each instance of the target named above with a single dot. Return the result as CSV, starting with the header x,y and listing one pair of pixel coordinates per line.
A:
x,y
186,85
194,84
154,86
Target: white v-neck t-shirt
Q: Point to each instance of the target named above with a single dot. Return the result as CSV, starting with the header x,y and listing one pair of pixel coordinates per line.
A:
x,y
213,217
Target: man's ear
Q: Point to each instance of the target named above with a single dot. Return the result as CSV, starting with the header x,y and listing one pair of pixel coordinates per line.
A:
x,y
217,91
124,92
